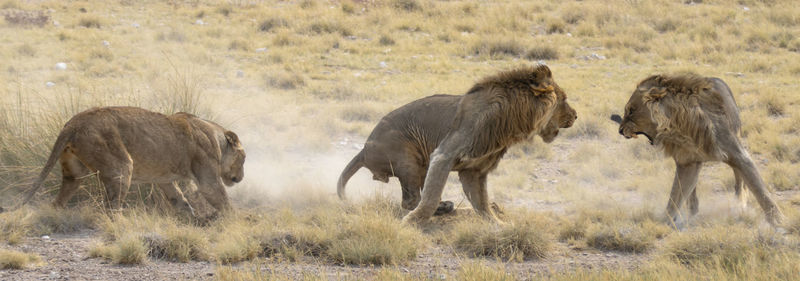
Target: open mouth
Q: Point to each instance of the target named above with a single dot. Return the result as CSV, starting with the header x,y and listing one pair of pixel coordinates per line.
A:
x,y
646,135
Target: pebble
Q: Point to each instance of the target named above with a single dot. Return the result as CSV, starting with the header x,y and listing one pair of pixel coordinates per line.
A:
x,y
61,66
55,23
239,74
383,64
106,43
135,25
45,237
199,22
261,50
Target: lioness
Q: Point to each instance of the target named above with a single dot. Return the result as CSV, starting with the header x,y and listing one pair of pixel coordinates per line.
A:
x,y
473,135
694,119
126,145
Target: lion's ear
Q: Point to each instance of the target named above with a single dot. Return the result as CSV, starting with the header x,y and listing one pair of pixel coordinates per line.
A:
x,y
542,89
233,139
655,94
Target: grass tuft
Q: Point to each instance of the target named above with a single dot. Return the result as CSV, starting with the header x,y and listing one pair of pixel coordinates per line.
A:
x,y
542,53
129,250
10,259
522,241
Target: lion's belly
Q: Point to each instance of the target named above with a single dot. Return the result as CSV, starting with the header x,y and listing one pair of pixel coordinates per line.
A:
x,y
156,174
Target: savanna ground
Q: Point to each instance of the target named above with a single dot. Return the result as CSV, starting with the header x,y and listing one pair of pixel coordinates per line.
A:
x,y
304,82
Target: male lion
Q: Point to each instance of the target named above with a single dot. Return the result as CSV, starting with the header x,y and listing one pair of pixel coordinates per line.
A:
x,y
471,134
126,145
694,119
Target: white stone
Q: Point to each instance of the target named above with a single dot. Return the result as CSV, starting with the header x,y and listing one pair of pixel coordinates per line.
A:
x,y
199,22
383,64
45,237
261,50
49,84
135,25
106,43
61,66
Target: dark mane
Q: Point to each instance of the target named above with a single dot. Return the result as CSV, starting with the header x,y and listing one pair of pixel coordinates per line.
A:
x,y
688,83
519,78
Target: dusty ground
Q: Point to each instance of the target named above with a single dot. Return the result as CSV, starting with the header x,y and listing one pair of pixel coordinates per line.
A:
x,y
65,257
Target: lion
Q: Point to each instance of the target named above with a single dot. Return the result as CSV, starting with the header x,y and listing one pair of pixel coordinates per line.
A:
x,y
129,145
474,132
694,119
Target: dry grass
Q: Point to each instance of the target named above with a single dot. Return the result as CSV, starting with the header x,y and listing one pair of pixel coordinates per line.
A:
x,y
317,76
525,239
10,259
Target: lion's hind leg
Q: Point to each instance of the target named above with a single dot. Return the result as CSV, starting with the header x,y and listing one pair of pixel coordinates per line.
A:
x,y
738,187
747,170
72,171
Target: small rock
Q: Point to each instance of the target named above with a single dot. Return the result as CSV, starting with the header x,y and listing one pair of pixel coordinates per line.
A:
x,y
261,50
405,270
745,8
239,74
199,22
61,66
106,43
569,34
383,64
135,25
55,23
49,84
45,237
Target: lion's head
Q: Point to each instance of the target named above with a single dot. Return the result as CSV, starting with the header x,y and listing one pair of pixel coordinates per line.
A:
x,y
232,160
563,117
673,111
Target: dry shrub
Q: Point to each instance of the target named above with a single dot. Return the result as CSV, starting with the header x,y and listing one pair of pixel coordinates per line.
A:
x,y
524,240
406,5
385,40
727,248
497,49
783,176
129,250
477,271
10,259
180,243
322,26
619,237
26,18
14,226
48,220
542,53
239,45
285,80
555,25
90,22
375,240
272,23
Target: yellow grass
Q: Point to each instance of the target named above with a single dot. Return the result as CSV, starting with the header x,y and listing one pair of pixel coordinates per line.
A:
x,y
304,82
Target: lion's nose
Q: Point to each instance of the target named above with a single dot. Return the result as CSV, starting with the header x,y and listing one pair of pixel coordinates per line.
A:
x,y
236,179
620,131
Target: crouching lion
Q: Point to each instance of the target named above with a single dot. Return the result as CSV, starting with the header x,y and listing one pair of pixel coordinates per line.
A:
x,y
425,140
693,119
129,145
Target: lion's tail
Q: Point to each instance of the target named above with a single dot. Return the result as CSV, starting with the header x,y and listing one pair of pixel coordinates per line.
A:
x,y
352,167
58,147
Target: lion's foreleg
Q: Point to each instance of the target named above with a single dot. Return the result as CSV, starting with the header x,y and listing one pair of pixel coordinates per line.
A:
x,y
749,173
474,185
442,161
682,187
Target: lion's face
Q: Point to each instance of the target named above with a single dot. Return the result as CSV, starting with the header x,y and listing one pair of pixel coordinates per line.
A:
x,y
563,117
637,119
233,160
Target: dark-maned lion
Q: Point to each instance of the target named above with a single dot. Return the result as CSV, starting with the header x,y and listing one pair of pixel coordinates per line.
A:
x,y
129,145
471,133
694,119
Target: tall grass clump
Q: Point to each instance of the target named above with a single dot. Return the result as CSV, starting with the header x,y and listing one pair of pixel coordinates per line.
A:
x,y
527,239
10,259
725,247
375,240
129,250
